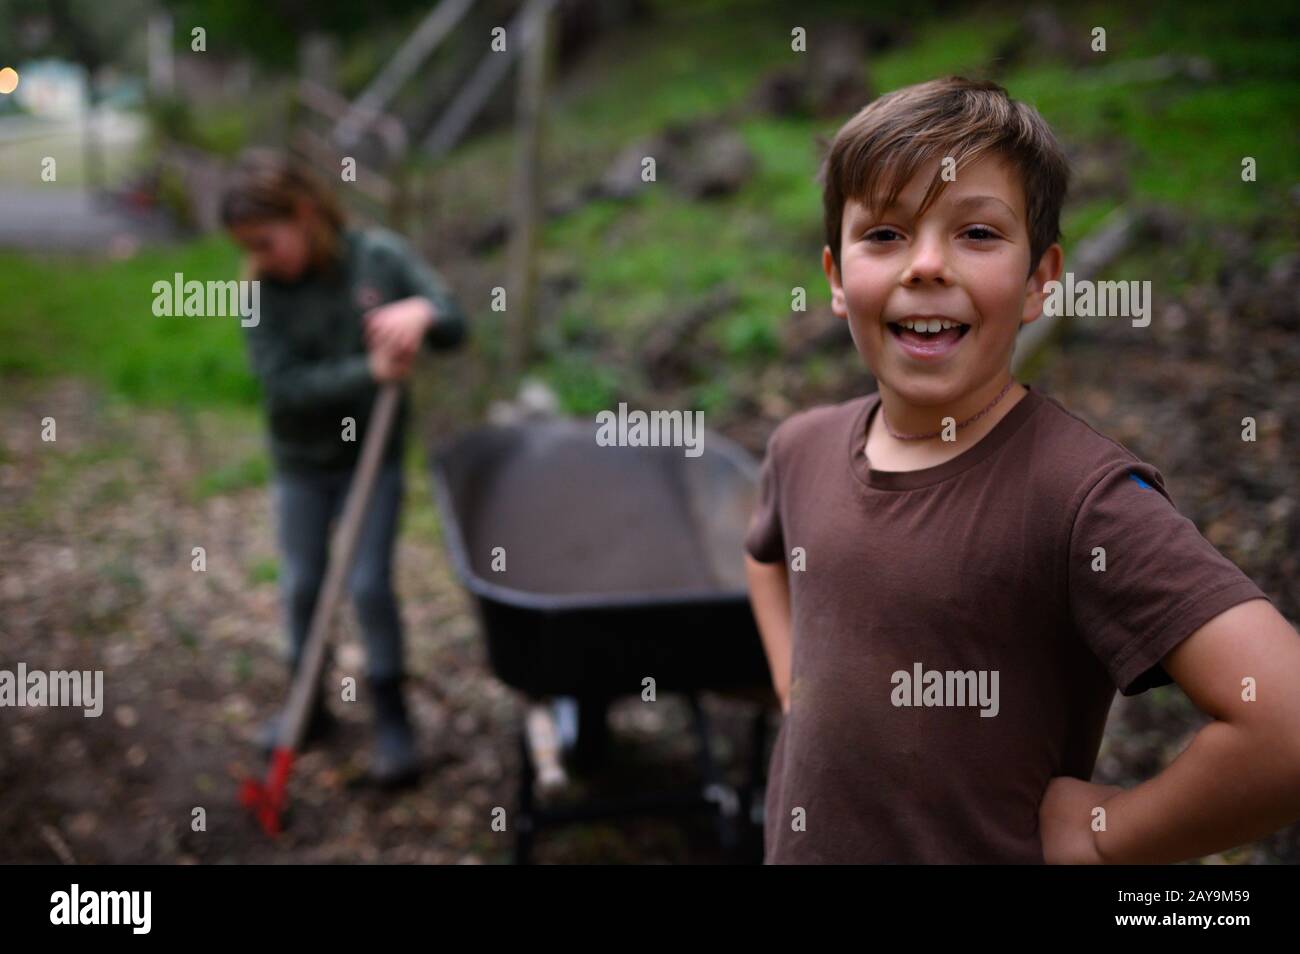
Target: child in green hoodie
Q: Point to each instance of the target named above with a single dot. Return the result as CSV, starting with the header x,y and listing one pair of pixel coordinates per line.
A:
x,y
342,311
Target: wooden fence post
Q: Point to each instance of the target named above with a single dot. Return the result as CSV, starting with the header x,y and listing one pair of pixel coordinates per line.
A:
x,y
521,290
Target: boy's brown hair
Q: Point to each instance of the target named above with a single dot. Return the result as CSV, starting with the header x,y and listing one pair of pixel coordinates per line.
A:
x,y
878,151
267,185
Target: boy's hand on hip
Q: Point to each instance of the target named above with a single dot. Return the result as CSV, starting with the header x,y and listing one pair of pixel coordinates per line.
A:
x,y
1065,820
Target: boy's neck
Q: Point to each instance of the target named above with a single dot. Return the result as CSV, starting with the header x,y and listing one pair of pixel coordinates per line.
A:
x,y
888,452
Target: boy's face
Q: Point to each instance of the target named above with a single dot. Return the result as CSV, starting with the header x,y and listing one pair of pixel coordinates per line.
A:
x,y
965,263
279,248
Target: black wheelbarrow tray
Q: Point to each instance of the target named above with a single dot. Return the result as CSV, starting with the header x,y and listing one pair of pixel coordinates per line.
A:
x,y
594,568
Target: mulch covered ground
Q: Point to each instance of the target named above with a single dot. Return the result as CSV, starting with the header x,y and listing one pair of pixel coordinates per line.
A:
x,y
95,558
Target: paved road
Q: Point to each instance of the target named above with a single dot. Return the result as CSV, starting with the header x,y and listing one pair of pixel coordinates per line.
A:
x,y
64,216
72,220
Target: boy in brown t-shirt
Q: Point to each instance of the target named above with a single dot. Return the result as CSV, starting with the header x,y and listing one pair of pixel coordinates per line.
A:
x,y
953,575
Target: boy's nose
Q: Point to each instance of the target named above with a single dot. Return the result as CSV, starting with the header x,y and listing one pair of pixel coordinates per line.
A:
x,y
928,263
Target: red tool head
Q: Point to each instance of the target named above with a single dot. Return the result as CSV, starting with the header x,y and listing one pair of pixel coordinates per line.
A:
x,y
267,800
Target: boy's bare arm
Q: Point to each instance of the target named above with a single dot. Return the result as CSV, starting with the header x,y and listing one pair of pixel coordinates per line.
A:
x,y
769,595
1240,778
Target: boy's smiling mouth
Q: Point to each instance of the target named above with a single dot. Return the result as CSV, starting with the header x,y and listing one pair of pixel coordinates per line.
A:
x,y
928,337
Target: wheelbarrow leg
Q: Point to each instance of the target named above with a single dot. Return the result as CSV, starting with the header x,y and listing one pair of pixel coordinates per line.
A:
x,y
751,804
524,818
593,733
715,789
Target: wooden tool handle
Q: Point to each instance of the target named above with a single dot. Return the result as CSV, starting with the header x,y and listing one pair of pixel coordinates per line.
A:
x,y
307,679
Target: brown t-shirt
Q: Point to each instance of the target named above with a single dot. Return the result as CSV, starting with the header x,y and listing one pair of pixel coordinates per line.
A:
x,y
956,642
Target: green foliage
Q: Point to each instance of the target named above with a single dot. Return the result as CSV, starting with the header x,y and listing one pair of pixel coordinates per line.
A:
x,y
582,386
223,130
647,260
271,30
640,263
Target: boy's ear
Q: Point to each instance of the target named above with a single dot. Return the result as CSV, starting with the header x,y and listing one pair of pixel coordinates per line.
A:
x,y
837,287
1048,270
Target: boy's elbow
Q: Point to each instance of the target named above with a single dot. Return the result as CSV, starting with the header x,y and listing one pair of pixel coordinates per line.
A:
x,y
449,331
1286,756
1274,742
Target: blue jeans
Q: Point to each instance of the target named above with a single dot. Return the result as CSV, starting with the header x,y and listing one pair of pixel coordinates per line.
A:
x,y
307,505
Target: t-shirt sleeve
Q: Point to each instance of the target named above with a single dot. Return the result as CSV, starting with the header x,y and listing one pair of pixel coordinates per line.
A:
x,y
764,541
1161,580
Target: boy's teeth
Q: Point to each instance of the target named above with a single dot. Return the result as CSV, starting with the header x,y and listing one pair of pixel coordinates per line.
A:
x,y
929,325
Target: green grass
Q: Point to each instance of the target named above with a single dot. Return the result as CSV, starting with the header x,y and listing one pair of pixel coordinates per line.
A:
x,y
251,471
1189,139
1196,144
1189,135
1240,39
963,45
264,571
94,319
419,514
1080,219
581,383
61,470
785,189
645,261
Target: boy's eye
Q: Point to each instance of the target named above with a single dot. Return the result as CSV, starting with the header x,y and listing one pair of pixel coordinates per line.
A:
x,y
978,233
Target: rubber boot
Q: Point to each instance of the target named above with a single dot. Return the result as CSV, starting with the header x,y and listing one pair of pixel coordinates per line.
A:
x,y
394,762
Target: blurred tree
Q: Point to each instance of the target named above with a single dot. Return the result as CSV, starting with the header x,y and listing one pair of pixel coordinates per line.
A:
x,y
269,30
89,32
94,32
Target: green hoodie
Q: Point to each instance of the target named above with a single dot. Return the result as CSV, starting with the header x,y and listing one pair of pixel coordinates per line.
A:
x,y
308,351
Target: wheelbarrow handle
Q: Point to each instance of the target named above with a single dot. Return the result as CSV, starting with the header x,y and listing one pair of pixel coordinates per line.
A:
x,y
307,679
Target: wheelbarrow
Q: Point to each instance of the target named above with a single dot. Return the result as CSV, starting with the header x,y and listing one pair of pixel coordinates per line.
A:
x,y
594,569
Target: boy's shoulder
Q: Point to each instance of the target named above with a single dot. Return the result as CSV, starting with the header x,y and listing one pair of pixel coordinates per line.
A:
x,y
1077,454
381,260
377,240
1065,453
820,425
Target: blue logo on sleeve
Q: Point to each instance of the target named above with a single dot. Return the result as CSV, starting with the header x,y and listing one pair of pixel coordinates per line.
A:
x,y
1141,482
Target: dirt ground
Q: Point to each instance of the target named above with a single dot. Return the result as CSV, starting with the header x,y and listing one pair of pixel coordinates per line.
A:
x,y
96,566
